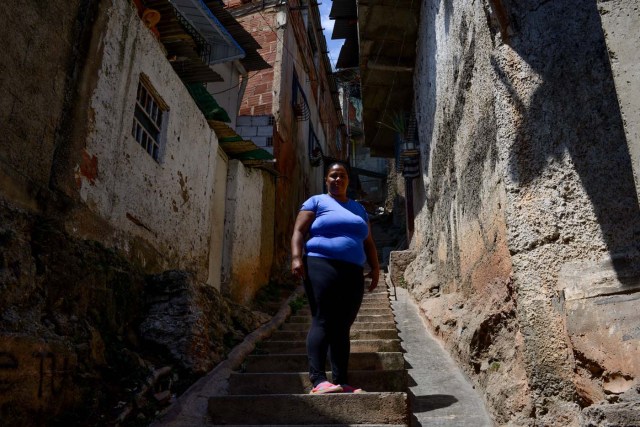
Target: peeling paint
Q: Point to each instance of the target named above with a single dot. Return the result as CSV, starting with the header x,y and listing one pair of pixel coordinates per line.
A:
x,y
88,168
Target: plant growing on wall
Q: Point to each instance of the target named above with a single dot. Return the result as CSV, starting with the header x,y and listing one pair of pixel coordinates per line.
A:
x,y
397,122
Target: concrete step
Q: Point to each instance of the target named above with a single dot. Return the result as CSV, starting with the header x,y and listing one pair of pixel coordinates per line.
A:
x,y
364,311
361,346
381,302
298,382
279,409
376,304
359,326
356,334
367,318
362,361
307,425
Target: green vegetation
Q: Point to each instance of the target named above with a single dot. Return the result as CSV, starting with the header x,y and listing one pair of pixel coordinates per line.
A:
x,y
297,304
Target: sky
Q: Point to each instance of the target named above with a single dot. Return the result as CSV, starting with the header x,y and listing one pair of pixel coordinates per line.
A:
x,y
333,45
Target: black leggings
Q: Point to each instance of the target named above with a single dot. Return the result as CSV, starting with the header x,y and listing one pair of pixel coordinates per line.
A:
x,y
334,290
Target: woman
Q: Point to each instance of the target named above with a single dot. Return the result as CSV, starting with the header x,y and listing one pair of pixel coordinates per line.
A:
x,y
332,268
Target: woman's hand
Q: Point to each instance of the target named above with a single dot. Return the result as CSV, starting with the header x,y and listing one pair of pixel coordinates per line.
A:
x,y
372,260
374,275
300,229
297,268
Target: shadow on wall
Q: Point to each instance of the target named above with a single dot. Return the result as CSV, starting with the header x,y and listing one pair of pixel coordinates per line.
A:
x,y
574,111
425,96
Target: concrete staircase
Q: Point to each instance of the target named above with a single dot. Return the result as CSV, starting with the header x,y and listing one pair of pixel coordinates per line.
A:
x,y
272,386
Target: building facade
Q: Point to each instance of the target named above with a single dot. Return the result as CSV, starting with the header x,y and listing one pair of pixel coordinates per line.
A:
x,y
292,109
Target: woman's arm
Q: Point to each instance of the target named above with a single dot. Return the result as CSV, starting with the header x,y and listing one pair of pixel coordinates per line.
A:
x,y
372,259
300,229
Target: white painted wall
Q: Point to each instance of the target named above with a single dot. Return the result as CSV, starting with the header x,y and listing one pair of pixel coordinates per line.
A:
x,y
167,205
226,92
248,233
217,219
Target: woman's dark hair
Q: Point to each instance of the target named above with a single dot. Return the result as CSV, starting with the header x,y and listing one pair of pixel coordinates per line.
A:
x,y
342,163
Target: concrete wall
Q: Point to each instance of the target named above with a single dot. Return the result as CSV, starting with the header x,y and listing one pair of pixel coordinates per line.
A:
x,y
526,224
258,129
462,270
227,93
217,220
620,21
248,231
160,210
37,74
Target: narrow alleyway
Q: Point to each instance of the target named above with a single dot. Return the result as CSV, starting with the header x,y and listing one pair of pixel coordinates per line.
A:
x,y
439,393
408,377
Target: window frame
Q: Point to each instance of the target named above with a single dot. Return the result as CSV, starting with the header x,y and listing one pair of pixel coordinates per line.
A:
x,y
150,118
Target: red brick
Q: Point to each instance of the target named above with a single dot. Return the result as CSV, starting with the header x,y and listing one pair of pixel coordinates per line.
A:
x,y
260,89
266,98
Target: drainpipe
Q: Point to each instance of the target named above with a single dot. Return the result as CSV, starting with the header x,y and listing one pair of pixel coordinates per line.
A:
x,y
243,84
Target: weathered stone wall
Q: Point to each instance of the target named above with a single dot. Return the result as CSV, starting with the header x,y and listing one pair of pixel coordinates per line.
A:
x,y
82,329
160,210
248,231
37,77
217,220
530,211
461,273
565,148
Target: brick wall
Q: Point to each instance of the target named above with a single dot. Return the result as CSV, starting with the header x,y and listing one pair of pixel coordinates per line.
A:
x,y
258,97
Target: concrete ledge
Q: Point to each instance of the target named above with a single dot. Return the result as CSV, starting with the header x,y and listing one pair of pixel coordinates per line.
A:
x,y
588,279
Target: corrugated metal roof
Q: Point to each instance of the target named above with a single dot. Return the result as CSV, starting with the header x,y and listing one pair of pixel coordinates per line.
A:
x,y
244,150
348,54
343,9
183,52
223,47
345,29
253,61
387,33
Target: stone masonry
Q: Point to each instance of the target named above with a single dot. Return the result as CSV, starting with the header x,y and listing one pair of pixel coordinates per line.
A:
x,y
525,247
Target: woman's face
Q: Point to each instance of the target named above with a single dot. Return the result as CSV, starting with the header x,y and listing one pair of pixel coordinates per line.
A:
x,y
337,180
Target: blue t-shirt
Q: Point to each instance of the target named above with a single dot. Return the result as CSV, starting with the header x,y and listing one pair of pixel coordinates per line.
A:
x,y
339,229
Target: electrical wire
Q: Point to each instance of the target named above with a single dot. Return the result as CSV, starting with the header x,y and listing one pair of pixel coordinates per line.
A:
x,y
239,83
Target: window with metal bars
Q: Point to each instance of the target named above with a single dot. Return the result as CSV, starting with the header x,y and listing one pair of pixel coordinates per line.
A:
x,y
148,118
315,150
299,100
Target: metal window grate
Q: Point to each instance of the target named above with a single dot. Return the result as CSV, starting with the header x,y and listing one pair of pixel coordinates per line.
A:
x,y
299,101
147,121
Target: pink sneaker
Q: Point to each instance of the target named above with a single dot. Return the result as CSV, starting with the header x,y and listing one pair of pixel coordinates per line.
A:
x,y
326,387
348,389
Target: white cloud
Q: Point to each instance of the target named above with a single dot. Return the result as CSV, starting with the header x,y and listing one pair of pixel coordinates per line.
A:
x,y
327,23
